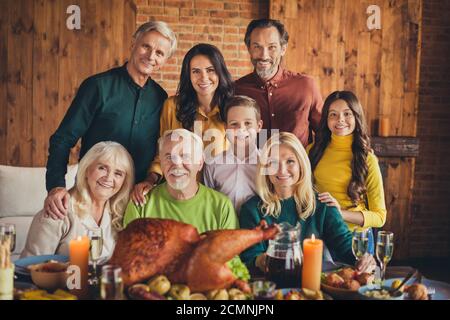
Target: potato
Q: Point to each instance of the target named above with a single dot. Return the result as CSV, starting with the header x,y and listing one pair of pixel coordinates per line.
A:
x,y
279,295
180,292
417,291
198,296
365,278
351,285
334,280
220,294
159,284
312,294
347,274
236,294
294,295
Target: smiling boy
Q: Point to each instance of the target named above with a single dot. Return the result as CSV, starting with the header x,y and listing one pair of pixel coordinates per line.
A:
x,y
233,172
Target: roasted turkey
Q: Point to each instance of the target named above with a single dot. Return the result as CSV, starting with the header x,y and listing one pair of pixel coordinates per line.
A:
x,y
149,247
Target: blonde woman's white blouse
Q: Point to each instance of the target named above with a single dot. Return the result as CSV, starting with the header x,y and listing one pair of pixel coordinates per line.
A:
x,y
48,236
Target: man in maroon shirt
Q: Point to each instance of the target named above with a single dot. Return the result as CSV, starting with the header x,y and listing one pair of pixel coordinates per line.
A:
x,y
289,101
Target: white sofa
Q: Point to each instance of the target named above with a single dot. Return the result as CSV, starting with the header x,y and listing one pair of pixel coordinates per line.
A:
x,y
22,195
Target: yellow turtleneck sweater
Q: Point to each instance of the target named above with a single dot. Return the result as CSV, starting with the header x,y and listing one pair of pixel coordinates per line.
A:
x,y
333,174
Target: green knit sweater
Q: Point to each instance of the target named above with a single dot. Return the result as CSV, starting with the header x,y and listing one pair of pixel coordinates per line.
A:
x,y
326,223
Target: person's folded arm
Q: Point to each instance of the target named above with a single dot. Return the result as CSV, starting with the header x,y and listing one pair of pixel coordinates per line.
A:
x,y
375,216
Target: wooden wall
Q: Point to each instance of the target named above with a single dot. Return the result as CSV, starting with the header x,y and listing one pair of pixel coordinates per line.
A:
x,y
330,40
42,63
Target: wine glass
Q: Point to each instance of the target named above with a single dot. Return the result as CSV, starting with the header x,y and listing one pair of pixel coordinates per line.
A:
x,y
8,231
111,284
95,249
384,250
360,243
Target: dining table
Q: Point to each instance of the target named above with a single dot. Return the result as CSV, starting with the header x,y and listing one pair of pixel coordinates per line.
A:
x,y
439,290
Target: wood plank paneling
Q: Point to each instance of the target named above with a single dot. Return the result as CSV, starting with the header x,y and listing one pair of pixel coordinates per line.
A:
x,y
130,12
46,48
395,146
42,63
117,33
73,61
19,82
4,23
330,40
398,189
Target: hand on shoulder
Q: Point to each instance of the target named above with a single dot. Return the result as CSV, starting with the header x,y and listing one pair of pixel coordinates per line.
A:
x,y
57,203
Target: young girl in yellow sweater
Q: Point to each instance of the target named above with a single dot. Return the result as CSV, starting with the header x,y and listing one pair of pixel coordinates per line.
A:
x,y
346,171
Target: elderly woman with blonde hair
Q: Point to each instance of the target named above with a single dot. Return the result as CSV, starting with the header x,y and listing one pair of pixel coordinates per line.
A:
x,y
104,180
286,194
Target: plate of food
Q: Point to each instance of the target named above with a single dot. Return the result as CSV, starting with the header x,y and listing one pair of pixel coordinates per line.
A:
x,y
22,266
301,294
160,288
374,292
426,290
345,282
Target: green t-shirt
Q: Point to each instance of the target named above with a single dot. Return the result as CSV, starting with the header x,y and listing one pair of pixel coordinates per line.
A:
x,y
207,210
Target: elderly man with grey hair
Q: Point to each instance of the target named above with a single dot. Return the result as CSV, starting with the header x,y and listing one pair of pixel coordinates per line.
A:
x,y
181,197
122,104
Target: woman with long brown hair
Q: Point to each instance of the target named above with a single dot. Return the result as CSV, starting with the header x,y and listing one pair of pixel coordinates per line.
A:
x,y
198,106
346,171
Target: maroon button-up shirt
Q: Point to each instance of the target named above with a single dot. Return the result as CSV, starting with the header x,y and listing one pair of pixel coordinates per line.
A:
x,y
289,102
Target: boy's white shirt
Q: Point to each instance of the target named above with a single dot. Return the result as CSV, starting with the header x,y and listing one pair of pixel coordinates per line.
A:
x,y
233,177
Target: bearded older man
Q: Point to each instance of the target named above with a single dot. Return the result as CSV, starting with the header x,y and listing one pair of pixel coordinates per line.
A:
x,y
181,197
289,101
122,105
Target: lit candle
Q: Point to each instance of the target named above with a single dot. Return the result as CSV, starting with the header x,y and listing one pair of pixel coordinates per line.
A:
x,y
384,127
79,256
312,263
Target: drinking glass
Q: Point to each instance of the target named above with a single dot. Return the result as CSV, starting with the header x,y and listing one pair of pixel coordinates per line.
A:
x,y
384,250
263,290
360,243
111,284
8,230
95,249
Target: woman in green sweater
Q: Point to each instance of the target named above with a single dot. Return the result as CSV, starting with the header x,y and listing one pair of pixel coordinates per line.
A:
x,y
346,171
286,194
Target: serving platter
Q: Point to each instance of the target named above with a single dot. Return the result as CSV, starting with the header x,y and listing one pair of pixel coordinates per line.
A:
x,y
21,265
441,289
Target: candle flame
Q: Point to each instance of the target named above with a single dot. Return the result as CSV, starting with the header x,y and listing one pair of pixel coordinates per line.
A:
x,y
313,238
79,238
